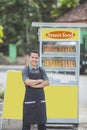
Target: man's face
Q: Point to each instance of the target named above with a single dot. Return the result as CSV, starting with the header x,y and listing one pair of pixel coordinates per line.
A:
x,y
33,59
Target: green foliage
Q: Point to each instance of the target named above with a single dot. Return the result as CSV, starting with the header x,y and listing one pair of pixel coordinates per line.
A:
x,y
1,34
2,95
64,6
11,17
16,17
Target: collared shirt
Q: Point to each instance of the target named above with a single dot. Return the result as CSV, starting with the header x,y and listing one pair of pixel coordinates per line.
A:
x,y
25,72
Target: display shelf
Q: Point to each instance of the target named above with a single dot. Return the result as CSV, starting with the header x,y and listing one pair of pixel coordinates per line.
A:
x,y
59,63
62,79
63,84
60,69
60,57
59,48
59,54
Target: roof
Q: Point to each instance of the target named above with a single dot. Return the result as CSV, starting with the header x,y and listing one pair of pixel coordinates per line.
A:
x,y
77,14
57,24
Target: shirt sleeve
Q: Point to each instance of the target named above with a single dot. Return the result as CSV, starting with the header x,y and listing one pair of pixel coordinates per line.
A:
x,y
25,74
45,77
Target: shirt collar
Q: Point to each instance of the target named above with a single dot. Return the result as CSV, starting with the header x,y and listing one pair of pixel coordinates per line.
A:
x,y
33,68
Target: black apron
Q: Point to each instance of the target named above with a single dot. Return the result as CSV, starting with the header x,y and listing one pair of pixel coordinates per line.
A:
x,y
34,108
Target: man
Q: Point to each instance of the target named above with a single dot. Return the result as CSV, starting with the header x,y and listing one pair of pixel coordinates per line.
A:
x,y
35,79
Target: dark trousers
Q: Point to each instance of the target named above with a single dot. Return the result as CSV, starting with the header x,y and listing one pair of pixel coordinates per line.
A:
x,y
40,127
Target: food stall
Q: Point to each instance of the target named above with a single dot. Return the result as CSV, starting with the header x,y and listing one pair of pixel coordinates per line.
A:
x,y
59,55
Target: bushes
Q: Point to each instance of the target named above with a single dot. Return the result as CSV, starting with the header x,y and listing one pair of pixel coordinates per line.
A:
x,y
2,95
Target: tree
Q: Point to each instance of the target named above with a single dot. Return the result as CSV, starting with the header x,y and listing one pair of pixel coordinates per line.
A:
x,y
63,7
16,17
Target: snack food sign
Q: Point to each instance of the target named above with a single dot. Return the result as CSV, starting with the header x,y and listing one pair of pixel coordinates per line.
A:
x,y
56,34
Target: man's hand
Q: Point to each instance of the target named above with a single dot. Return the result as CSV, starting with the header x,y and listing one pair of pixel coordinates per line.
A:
x,y
41,85
31,82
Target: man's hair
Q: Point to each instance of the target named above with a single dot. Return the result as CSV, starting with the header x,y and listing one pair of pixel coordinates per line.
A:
x,y
34,51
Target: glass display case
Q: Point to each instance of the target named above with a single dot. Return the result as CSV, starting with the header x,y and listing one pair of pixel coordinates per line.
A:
x,y
60,60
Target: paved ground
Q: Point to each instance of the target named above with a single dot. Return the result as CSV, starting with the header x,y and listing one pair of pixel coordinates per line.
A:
x,y
17,124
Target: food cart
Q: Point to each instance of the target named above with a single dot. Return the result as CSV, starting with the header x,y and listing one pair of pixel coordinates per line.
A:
x,y
59,55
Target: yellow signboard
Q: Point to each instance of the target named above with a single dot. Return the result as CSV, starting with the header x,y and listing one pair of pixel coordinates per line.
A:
x,y
57,34
14,95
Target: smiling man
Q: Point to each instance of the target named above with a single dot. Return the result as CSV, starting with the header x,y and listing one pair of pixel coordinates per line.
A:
x,y
35,79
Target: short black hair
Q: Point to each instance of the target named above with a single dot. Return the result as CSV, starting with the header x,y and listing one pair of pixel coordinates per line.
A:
x,y
34,51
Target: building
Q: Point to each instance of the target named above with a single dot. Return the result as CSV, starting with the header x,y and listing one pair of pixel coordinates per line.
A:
x,y
76,15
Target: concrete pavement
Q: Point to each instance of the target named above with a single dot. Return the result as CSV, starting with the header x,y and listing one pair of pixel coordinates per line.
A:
x,y
13,124
17,124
